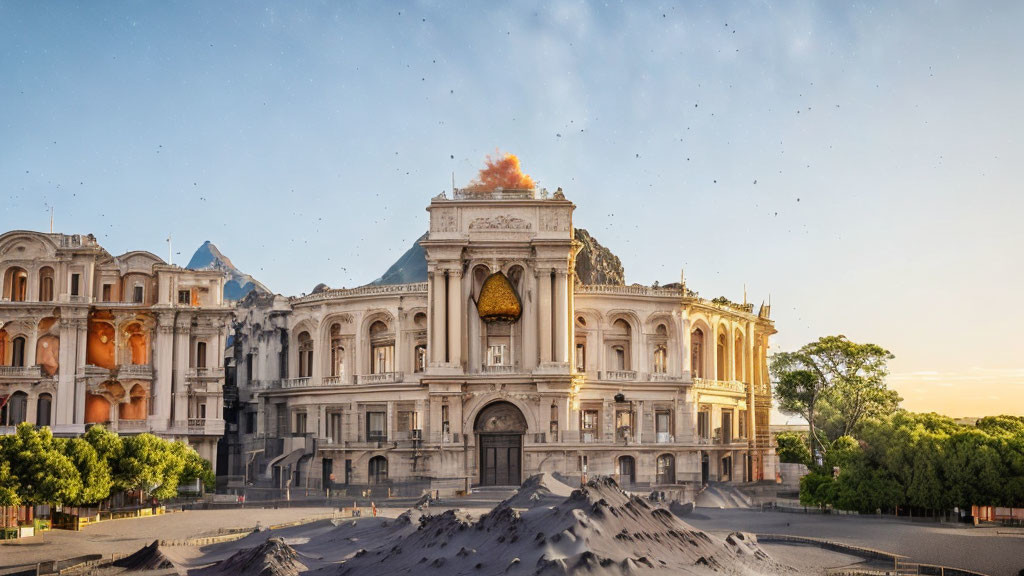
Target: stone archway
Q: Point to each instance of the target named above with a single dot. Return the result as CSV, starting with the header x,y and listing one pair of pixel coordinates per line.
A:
x,y
500,427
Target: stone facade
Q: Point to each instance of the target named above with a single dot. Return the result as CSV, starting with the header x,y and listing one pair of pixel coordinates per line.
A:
x,y
410,385
129,342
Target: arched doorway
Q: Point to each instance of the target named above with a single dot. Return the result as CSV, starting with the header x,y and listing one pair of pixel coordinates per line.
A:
x,y
378,471
627,471
499,429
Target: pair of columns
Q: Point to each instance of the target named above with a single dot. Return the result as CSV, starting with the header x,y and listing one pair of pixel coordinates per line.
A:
x,y
446,317
554,323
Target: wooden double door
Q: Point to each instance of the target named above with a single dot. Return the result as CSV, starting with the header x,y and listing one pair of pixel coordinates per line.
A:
x,y
500,459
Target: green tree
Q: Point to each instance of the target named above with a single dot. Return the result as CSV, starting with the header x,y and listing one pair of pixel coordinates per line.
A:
x,y
43,473
195,466
792,448
8,484
835,376
93,471
148,463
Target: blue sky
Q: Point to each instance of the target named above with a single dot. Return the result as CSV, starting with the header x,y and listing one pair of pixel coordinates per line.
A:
x,y
861,163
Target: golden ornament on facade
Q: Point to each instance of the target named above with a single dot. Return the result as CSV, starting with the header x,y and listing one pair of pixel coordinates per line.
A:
x,y
498,300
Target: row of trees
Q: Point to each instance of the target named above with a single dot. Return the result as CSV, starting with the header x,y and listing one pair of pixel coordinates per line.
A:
x,y
36,468
923,462
867,454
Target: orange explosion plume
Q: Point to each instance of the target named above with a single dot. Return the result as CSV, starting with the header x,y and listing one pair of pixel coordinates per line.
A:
x,y
502,172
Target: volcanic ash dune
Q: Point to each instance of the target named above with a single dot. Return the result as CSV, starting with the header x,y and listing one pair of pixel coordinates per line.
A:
x,y
598,529
271,558
148,558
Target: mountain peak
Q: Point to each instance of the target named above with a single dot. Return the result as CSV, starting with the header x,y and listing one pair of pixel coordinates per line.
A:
x,y
209,257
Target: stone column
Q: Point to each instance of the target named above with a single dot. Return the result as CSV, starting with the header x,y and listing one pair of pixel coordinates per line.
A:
x,y
544,314
83,327
562,323
455,317
730,352
64,400
182,349
638,426
529,321
402,364
686,343
440,313
164,369
711,352
31,342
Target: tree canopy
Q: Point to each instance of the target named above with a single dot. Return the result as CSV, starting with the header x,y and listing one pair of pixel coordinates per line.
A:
x,y
834,384
36,468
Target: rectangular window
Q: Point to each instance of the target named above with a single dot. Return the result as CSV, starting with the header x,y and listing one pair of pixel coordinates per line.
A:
x,y
589,422
74,284
663,426
137,294
250,422
382,359
334,427
201,355
581,358
406,421
185,297
704,424
444,418
300,422
726,426
376,423
620,358
496,355
202,411
742,423
106,292
421,358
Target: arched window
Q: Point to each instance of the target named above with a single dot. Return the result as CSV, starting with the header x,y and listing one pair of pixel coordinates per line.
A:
x,y
43,405
305,355
627,471
619,337
18,351
666,473
46,284
337,352
720,364
697,353
382,349
16,284
378,472
15,410
660,360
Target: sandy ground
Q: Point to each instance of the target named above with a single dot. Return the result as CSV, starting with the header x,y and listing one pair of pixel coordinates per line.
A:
x,y
126,536
809,559
981,549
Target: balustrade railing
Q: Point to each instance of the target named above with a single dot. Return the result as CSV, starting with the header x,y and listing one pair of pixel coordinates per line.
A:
x,y
21,371
304,382
135,371
382,378
499,369
720,385
665,377
620,375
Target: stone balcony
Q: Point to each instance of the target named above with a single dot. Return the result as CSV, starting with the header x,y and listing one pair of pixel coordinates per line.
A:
x,y
204,374
727,386
382,378
499,369
135,371
21,372
199,427
617,375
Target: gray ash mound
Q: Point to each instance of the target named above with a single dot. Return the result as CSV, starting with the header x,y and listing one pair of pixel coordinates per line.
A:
x,y
538,489
271,558
598,529
146,558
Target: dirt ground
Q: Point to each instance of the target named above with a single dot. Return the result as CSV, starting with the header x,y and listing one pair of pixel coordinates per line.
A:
x,y
126,536
993,551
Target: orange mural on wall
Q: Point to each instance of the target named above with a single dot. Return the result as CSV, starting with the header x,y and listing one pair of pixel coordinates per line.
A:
x,y
137,408
138,343
99,349
48,353
97,409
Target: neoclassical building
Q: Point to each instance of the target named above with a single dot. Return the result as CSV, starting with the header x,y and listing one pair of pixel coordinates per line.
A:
x,y
499,366
126,341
